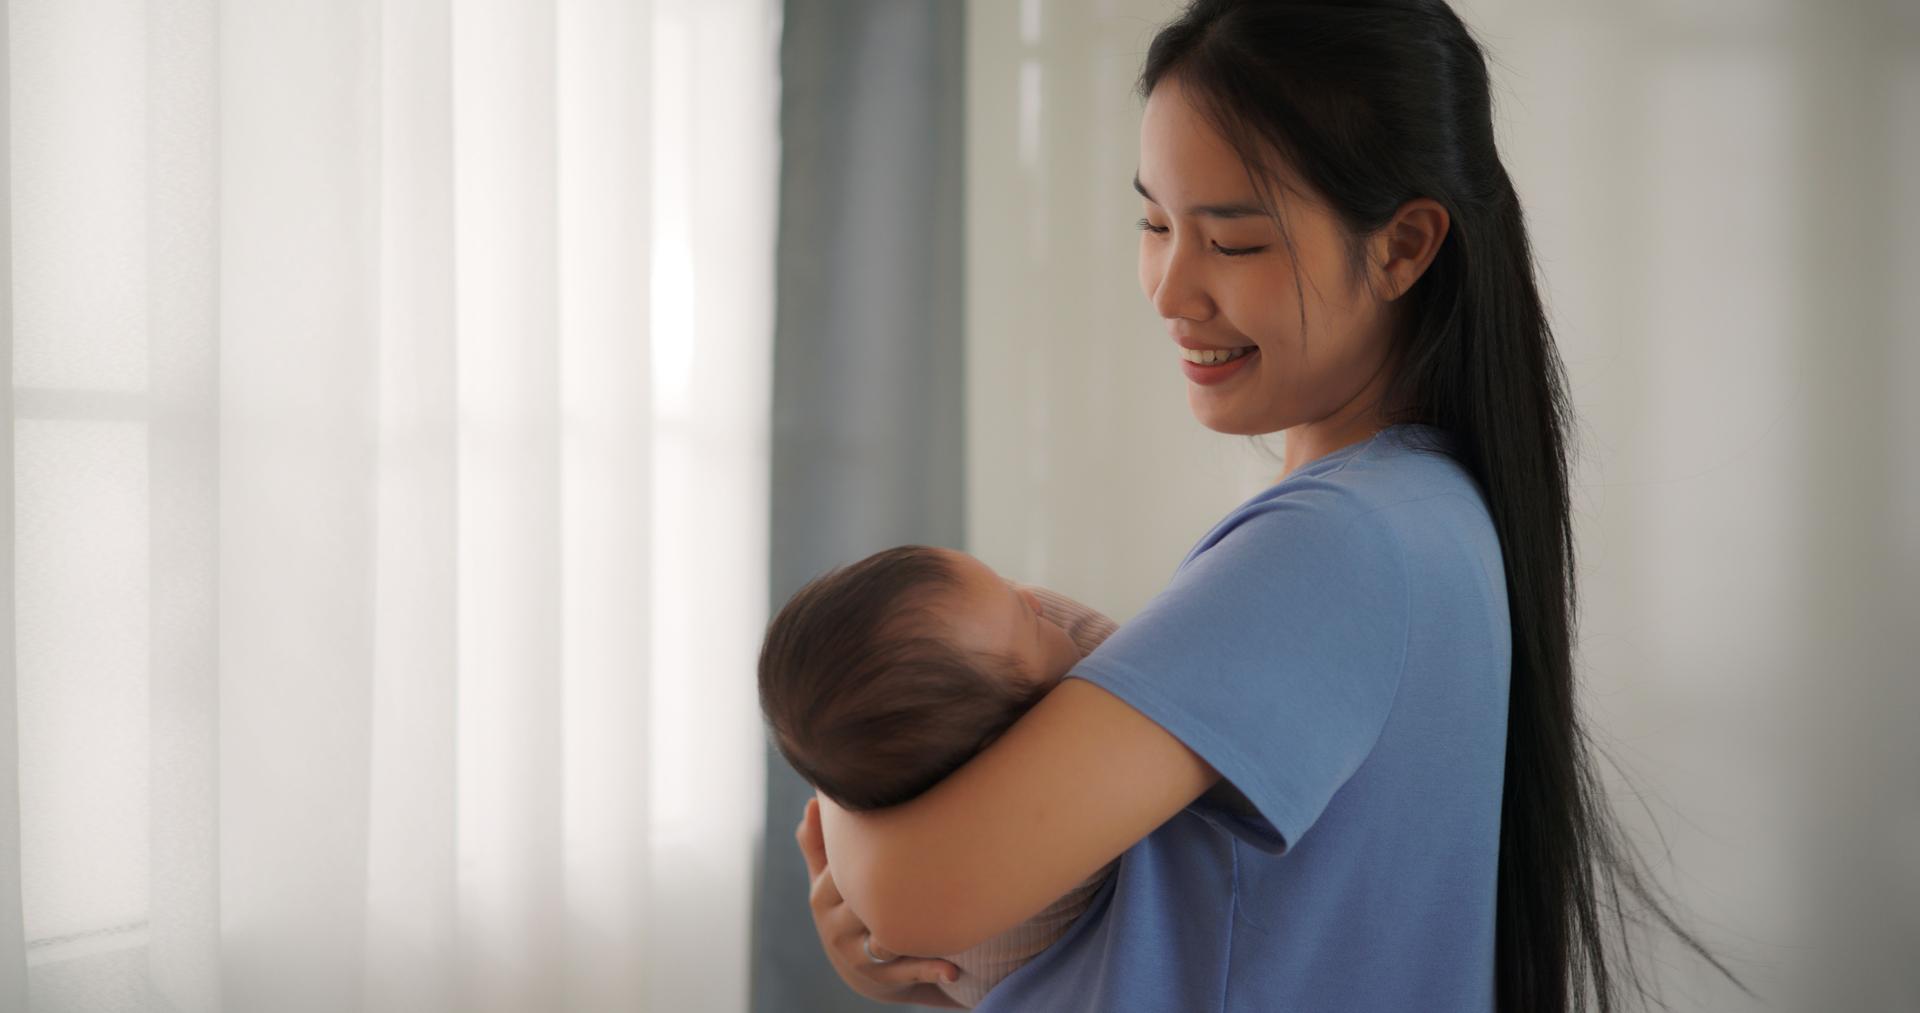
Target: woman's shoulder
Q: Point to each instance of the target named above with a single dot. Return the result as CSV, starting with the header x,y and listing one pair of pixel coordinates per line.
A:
x,y
1399,463
1403,471
1396,512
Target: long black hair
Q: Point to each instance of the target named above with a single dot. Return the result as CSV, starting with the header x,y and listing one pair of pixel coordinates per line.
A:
x,y
1372,103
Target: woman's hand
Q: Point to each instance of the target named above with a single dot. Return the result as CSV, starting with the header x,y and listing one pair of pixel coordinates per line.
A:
x,y
900,979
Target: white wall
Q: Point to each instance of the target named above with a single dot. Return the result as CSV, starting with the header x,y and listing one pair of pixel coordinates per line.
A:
x,y
1086,471
1718,194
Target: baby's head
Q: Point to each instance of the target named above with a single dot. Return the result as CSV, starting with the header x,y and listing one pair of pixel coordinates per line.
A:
x,y
880,678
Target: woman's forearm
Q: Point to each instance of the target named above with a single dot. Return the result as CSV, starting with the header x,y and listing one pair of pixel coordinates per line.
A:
x,y
894,878
1072,784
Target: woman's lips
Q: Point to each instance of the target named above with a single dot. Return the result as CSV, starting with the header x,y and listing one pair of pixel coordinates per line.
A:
x,y
1210,375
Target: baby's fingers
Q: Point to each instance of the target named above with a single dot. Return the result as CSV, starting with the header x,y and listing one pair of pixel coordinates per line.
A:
x,y
907,970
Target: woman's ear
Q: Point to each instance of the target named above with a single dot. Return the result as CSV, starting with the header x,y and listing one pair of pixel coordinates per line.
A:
x,y
1408,243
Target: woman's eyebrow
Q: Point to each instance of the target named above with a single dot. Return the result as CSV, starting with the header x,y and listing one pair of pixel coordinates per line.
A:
x,y
1235,210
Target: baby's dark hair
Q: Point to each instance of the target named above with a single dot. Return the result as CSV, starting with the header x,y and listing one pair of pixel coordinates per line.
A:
x,y
864,693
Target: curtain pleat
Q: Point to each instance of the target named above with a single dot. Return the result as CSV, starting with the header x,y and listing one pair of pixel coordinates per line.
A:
x,y
299,349
182,263
412,907
606,497
507,632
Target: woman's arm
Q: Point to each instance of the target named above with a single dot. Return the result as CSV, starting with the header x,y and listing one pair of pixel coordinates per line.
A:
x,y
1074,782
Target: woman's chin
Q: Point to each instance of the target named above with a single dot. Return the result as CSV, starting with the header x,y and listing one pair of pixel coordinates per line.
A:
x,y
1218,417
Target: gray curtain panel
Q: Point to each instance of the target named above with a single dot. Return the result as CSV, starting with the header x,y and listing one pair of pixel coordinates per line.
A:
x,y
868,433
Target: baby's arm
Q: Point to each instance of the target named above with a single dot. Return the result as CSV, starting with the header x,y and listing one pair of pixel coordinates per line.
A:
x,y
1085,625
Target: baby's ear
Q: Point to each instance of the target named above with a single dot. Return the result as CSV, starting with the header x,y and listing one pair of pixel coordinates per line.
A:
x,y
1033,601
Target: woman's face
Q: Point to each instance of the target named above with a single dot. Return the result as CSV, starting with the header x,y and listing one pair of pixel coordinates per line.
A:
x,y
1220,275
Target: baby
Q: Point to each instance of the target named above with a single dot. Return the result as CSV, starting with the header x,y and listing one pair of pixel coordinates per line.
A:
x,y
880,678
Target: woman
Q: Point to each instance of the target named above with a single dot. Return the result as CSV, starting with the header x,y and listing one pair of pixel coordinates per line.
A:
x,y
1375,653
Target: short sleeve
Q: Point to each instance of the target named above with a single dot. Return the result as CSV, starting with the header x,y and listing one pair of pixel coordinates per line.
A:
x,y
1275,653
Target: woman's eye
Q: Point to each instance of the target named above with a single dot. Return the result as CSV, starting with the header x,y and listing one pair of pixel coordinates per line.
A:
x,y
1230,251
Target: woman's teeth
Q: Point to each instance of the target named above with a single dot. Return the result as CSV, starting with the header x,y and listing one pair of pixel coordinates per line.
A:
x,y
1213,356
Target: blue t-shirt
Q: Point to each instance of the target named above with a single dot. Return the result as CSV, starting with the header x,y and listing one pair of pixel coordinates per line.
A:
x,y
1338,648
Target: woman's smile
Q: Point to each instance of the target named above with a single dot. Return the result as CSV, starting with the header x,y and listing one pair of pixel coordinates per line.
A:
x,y
1219,372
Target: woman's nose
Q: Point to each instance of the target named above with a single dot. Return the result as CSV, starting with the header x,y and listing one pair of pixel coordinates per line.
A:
x,y
1179,293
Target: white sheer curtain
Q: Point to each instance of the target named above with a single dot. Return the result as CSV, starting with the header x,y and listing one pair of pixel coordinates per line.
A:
x,y
389,404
